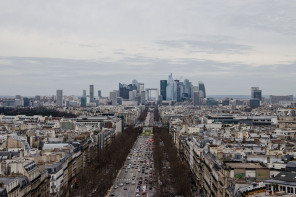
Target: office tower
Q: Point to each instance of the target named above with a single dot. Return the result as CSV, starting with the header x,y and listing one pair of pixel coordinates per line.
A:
x,y
117,92
99,93
19,102
201,97
135,94
135,85
91,93
119,100
193,89
113,97
253,90
201,94
132,95
60,98
84,93
83,101
180,91
202,88
254,103
196,98
163,85
278,99
179,94
141,87
87,99
143,97
187,87
257,94
130,87
26,102
124,91
171,90
184,96
256,97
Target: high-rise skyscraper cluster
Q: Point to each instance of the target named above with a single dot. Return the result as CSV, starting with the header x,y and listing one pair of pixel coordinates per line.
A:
x,y
175,90
90,100
130,94
169,92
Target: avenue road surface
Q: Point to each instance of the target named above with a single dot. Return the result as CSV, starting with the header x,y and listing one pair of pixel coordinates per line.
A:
x,y
136,177
137,172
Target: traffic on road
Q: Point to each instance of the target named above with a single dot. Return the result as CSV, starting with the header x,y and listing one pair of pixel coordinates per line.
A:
x,y
136,178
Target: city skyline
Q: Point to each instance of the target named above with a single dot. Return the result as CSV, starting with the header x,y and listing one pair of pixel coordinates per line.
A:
x,y
148,98
229,44
105,92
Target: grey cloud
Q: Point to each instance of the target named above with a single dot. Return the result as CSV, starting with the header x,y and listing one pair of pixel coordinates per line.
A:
x,y
215,46
215,27
44,75
271,15
88,45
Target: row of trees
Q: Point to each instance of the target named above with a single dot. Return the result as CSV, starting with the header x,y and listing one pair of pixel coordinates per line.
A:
x,y
178,173
102,165
158,162
30,111
156,114
143,115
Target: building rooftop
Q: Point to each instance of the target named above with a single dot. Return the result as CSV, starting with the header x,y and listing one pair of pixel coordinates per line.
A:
x,y
243,165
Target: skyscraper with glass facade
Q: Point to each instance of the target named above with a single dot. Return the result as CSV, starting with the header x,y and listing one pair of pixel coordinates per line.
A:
x,y
60,98
171,89
201,87
163,85
124,91
91,93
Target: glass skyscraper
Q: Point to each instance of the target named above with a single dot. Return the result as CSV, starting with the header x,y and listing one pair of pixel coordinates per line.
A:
x,y
91,93
60,98
187,88
202,88
163,85
171,90
124,91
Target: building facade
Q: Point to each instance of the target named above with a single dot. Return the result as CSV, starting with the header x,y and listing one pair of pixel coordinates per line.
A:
x,y
163,85
60,98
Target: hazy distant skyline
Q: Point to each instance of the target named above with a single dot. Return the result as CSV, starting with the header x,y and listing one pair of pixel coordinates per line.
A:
x,y
230,45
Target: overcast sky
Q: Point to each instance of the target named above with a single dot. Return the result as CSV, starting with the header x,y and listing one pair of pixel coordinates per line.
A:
x,y
230,45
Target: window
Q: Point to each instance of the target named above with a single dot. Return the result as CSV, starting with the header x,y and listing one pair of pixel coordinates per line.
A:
x,y
282,188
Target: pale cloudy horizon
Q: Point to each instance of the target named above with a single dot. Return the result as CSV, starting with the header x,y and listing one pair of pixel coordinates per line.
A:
x,y
230,45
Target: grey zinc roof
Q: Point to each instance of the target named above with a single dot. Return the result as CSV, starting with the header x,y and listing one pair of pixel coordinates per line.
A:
x,y
286,176
23,181
7,180
291,164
